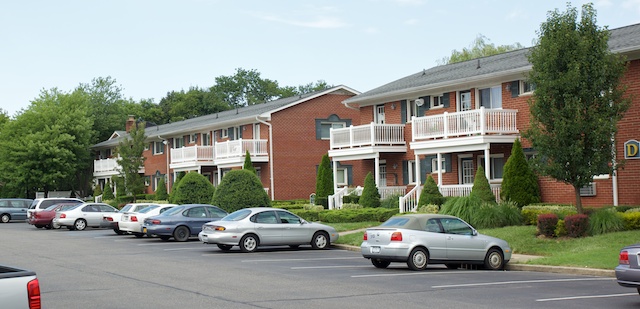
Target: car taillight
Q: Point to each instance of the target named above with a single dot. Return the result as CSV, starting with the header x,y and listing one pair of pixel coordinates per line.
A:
x,y
133,219
108,218
33,291
155,222
624,257
63,216
219,228
396,236
365,236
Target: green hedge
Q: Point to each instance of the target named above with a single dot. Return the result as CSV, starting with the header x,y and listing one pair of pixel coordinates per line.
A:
x,y
631,220
347,215
530,213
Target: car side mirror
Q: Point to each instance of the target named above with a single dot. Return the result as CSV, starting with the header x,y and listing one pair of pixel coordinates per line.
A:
x,y
474,232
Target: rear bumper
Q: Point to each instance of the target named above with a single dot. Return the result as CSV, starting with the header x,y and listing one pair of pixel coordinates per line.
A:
x,y
628,277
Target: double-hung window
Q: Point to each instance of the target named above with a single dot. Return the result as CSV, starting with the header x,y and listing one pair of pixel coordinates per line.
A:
x,y
436,101
527,87
178,142
491,97
206,139
158,148
325,128
434,165
497,166
342,176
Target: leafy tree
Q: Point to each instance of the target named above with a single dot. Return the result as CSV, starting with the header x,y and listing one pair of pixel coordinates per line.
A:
x,y
131,160
193,188
108,192
118,181
4,117
106,102
578,99
181,105
248,165
519,183
245,88
324,179
481,188
97,191
480,47
240,189
47,145
430,193
161,190
370,196
175,184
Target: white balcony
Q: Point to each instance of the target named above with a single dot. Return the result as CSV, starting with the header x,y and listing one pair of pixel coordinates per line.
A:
x,y
192,154
238,148
474,122
105,167
368,135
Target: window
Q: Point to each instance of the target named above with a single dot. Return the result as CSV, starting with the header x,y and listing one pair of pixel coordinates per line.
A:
x,y
146,146
156,180
178,142
436,101
342,176
206,139
158,148
256,131
465,101
434,165
411,171
224,133
379,114
497,166
268,217
526,87
412,110
147,181
326,126
491,97
588,190
193,138
289,218
456,226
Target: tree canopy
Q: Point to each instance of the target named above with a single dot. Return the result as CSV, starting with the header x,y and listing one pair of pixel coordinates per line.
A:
x,y
131,160
578,98
480,47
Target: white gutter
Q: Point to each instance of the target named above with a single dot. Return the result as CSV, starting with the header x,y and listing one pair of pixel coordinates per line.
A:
x,y
271,186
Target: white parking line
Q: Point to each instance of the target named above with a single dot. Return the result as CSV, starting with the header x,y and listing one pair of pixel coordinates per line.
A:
x,y
587,297
326,267
417,273
317,259
517,282
179,249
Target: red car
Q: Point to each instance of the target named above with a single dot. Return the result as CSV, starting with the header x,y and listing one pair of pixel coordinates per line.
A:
x,y
45,218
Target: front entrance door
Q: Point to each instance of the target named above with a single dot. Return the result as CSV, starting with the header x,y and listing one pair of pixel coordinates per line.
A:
x,y
467,170
379,114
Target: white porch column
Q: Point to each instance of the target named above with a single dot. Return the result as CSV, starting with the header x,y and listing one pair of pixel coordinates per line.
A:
x,y
335,176
417,171
487,162
219,175
439,158
376,170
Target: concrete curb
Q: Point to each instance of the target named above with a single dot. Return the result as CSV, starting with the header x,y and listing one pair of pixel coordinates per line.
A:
x,y
517,266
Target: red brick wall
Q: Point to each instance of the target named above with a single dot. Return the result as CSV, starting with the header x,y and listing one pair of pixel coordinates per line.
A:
x,y
152,164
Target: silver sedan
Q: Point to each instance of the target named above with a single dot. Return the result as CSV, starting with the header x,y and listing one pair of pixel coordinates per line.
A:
x,y
264,226
83,215
628,269
420,239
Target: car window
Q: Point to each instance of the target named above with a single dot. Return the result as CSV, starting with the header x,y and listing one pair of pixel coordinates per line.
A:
x,y
148,209
237,215
456,226
215,212
173,211
268,217
126,208
195,212
433,226
165,209
287,217
4,203
396,221
107,208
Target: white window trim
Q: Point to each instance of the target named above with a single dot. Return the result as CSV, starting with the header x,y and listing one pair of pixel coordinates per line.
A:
x,y
497,155
433,97
192,138
411,107
224,133
175,142
345,180
343,123
434,165
521,89
155,148
411,170
204,140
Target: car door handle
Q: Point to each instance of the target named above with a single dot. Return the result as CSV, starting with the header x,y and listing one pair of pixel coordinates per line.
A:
x,y
449,238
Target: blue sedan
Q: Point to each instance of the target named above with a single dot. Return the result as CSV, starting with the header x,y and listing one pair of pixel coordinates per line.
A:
x,y
181,222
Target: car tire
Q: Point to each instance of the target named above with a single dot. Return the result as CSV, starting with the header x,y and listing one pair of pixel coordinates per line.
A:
x,y
138,235
378,263
224,247
320,240
494,259
119,232
249,243
48,226
55,226
164,237
80,224
181,233
452,265
5,218
418,259
39,226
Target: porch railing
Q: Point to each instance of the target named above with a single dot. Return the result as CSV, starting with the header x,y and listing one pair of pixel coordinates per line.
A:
x,y
105,165
192,153
335,200
386,192
478,121
239,147
409,202
367,135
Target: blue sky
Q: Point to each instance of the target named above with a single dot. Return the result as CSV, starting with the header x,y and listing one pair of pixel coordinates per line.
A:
x,y
152,47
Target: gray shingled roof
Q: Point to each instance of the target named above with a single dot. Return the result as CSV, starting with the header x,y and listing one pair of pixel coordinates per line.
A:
x,y
622,40
219,120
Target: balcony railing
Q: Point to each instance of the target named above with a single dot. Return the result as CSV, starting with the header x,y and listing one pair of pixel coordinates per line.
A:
x,y
192,154
368,135
478,121
105,165
239,147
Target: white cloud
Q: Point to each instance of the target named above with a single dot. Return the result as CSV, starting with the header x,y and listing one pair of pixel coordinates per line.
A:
x,y
410,2
319,22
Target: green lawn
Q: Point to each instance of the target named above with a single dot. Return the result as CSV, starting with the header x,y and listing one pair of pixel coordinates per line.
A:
x,y
593,252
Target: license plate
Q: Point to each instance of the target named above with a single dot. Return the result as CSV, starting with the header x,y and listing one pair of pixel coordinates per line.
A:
x,y
375,249
144,230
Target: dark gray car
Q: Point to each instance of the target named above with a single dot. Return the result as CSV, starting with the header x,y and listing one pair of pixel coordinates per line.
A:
x,y
628,269
13,209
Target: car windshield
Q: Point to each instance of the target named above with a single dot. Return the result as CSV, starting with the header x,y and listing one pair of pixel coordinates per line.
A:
x,y
126,208
74,206
173,211
148,209
237,215
396,221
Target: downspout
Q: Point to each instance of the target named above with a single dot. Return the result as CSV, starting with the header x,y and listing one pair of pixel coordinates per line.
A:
x,y
614,178
166,146
271,186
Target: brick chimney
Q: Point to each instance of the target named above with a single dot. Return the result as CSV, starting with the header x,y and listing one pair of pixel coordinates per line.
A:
x,y
130,122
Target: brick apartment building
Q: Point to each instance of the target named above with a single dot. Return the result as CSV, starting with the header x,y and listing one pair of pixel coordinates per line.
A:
x,y
450,119
286,139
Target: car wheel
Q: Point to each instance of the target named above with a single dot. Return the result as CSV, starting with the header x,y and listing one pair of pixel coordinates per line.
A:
x,y
5,218
320,240
164,237
378,263
452,266
249,243
418,259
55,225
138,235
39,226
224,247
80,224
494,260
48,226
119,232
181,233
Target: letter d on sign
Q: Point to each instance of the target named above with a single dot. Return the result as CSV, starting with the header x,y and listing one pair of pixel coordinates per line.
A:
x,y
632,149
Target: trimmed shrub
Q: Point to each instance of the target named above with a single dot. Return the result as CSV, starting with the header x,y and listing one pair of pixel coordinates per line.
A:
x,y
547,224
248,165
605,220
313,207
107,195
577,225
392,201
463,207
97,191
481,188
429,209
351,206
309,215
561,229
631,220
194,188
370,195
430,193
519,183
322,201
324,180
351,198
240,189
161,190
356,215
530,213
491,215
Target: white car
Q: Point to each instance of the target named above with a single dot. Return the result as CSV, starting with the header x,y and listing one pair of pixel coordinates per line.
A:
x,y
131,222
114,219
41,204
83,215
